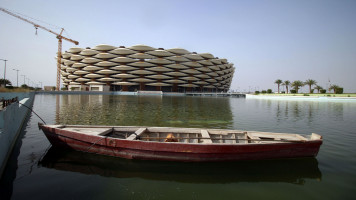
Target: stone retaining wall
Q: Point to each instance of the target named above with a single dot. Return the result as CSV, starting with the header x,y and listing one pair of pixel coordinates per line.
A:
x,y
12,118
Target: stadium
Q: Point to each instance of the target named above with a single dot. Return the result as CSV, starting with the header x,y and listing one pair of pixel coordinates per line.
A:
x,y
144,68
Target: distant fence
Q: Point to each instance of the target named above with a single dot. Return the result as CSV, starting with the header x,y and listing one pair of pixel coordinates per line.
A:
x,y
219,94
6,102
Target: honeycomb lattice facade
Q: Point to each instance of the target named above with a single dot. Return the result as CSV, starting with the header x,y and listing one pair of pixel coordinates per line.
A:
x,y
142,67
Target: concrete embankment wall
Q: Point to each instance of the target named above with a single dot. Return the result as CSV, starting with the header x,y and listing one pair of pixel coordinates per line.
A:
x,y
12,119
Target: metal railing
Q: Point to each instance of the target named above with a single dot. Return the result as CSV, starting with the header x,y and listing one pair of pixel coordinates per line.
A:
x,y
7,102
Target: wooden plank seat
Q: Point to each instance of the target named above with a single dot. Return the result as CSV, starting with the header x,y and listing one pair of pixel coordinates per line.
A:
x,y
274,137
90,131
205,134
137,133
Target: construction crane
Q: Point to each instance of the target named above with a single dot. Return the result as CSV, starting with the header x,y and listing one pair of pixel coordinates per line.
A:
x,y
59,37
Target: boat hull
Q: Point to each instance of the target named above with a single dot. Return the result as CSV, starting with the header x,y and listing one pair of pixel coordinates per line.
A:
x,y
173,151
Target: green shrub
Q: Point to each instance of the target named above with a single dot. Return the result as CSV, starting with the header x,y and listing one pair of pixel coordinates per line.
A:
x,y
263,91
323,91
24,86
257,92
339,90
269,91
293,91
312,91
283,92
305,94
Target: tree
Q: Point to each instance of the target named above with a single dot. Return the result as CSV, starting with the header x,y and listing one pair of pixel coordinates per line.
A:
x,y
334,87
318,87
310,82
24,86
6,81
286,83
278,82
297,85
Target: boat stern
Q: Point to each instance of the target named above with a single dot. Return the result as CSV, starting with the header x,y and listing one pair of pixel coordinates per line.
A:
x,y
315,136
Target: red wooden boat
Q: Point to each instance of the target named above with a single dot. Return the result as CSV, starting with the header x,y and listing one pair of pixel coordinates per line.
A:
x,y
182,144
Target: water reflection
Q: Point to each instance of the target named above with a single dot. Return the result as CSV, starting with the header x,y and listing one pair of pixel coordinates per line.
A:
x,y
338,110
294,171
9,174
145,110
304,110
75,175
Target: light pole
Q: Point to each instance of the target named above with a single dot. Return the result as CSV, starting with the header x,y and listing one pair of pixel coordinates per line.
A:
x,y
24,78
17,79
4,72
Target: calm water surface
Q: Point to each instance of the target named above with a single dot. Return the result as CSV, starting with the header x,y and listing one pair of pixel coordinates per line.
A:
x,y
39,171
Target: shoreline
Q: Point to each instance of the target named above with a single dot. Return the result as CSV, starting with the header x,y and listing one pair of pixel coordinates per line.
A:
x,y
301,97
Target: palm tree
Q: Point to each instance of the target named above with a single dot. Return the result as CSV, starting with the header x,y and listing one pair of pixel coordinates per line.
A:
x,y
6,81
310,82
297,85
334,87
286,83
278,82
318,87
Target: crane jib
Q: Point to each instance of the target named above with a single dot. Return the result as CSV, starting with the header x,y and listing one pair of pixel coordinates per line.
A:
x,y
59,37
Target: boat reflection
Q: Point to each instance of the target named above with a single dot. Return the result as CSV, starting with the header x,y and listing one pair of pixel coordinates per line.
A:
x,y
295,171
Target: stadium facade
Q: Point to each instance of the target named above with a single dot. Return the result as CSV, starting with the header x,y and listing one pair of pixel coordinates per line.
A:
x,y
144,68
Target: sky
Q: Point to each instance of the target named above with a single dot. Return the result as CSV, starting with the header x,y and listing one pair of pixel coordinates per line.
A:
x,y
265,40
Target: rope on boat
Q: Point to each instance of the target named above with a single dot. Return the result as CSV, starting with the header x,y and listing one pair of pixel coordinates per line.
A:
x,y
94,144
44,154
31,111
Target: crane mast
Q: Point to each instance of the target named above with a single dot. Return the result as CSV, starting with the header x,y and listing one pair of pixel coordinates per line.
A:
x,y
58,36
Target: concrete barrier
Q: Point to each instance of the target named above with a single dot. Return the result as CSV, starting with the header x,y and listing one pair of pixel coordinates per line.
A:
x,y
12,117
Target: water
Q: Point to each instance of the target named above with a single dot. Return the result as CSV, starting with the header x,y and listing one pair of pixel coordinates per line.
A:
x,y
37,171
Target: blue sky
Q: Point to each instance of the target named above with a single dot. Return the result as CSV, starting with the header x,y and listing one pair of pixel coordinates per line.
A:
x,y
266,40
